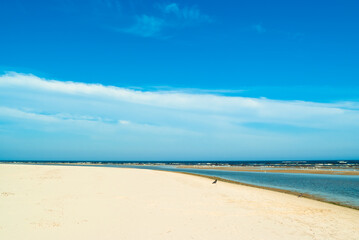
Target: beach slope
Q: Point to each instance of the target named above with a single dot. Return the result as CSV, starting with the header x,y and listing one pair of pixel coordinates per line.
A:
x,y
70,202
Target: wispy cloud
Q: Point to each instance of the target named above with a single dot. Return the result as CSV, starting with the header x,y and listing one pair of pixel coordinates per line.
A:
x,y
189,14
206,125
146,26
169,16
259,28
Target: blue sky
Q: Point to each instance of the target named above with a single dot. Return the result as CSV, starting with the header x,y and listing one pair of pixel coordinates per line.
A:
x,y
179,80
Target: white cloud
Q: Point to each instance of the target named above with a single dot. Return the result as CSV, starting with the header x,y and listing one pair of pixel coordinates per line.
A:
x,y
124,122
240,109
172,119
15,113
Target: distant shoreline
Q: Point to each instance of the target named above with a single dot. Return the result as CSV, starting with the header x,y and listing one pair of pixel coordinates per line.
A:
x,y
330,167
278,170
321,164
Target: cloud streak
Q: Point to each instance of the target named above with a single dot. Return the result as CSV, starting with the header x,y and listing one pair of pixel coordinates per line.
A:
x,y
261,109
146,26
190,14
185,123
170,16
259,28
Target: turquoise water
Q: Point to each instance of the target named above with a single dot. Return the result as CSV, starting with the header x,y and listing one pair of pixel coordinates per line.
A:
x,y
337,188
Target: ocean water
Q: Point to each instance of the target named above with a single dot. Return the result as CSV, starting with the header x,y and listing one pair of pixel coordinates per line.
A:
x,y
337,188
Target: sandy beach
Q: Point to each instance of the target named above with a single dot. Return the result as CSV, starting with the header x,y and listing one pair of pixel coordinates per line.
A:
x,y
69,202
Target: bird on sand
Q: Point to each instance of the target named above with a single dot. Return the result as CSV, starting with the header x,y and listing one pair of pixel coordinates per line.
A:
x,y
300,195
215,181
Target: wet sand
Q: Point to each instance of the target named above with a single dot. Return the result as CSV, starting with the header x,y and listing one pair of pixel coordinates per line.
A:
x,y
69,202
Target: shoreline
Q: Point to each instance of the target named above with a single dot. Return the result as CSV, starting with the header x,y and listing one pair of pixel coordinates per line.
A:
x,y
302,195
65,202
350,171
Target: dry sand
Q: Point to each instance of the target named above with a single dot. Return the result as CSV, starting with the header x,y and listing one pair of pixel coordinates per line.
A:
x,y
66,202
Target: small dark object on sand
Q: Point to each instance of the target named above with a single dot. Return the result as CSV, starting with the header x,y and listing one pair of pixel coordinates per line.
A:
x,y
300,195
215,181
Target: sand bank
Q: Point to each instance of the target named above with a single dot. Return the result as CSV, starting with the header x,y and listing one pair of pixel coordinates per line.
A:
x,y
66,202
278,170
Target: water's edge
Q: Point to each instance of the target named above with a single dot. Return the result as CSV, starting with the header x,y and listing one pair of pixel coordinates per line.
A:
x,y
305,195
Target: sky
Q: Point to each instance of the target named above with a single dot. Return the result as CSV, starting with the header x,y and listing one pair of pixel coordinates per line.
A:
x,y
179,80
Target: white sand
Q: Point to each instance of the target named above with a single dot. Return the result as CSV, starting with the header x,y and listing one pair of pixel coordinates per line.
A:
x,y
64,202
